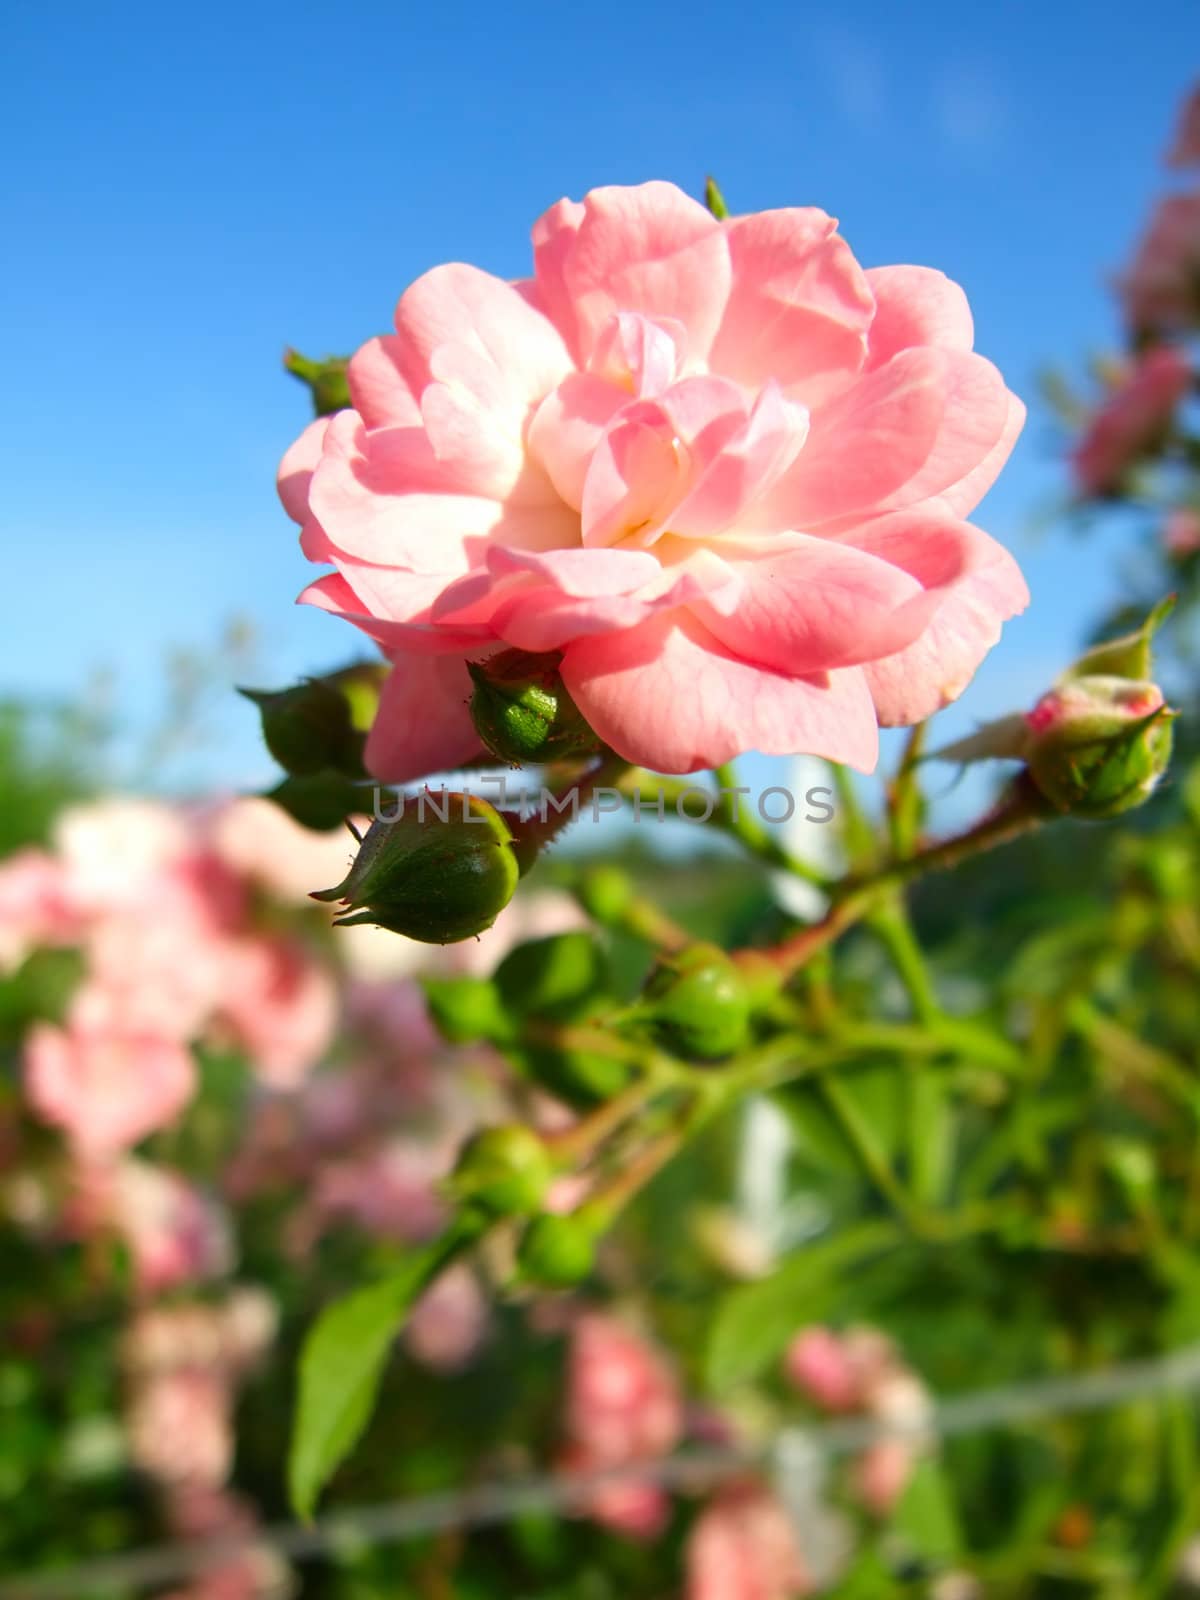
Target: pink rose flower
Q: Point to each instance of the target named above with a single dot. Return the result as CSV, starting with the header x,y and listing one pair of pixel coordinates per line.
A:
x,y
743,1546
880,1475
390,1192
281,1007
1181,535
114,851
34,909
1161,289
104,1087
634,1507
157,968
716,465
179,1427
819,1365
1132,420
260,843
176,1233
623,1408
1185,148
448,1322
623,1401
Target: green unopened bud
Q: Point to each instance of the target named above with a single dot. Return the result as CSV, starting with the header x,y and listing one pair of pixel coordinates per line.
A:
x,y
443,870
321,724
553,977
763,978
326,380
506,1170
322,802
1097,746
557,1252
466,1010
699,1002
522,712
604,893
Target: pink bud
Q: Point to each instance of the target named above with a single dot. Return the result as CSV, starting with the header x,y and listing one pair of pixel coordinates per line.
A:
x,y
1132,420
881,1474
1181,534
743,1546
818,1364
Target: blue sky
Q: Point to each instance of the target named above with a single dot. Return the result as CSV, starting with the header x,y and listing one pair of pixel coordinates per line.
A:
x,y
188,188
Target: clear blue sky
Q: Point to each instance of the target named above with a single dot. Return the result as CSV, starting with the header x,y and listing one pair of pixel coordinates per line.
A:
x,y
188,188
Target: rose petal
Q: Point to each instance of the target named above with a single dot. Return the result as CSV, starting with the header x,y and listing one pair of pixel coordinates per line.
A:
x,y
423,724
667,694
799,308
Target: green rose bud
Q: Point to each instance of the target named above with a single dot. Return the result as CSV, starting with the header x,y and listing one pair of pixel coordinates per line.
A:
x,y
441,872
321,725
604,893
322,802
506,1170
1097,746
557,1252
699,1002
522,712
763,978
562,978
326,380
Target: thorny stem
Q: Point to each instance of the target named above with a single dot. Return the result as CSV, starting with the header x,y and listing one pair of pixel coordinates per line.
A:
x,y
590,1131
1023,809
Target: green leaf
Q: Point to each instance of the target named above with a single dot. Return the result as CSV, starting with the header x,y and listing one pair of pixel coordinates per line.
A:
x,y
754,1323
926,1515
342,1363
932,1130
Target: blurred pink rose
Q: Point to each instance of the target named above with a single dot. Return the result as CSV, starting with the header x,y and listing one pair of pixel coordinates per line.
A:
x,y
743,1547
179,1428
175,1232
637,1508
390,1192
1185,148
819,1365
1181,535
448,1322
717,465
880,1475
106,1089
623,1407
157,968
1161,288
1132,420
34,909
861,1371
623,1401
228,1338
260,842
281,1006
115,850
